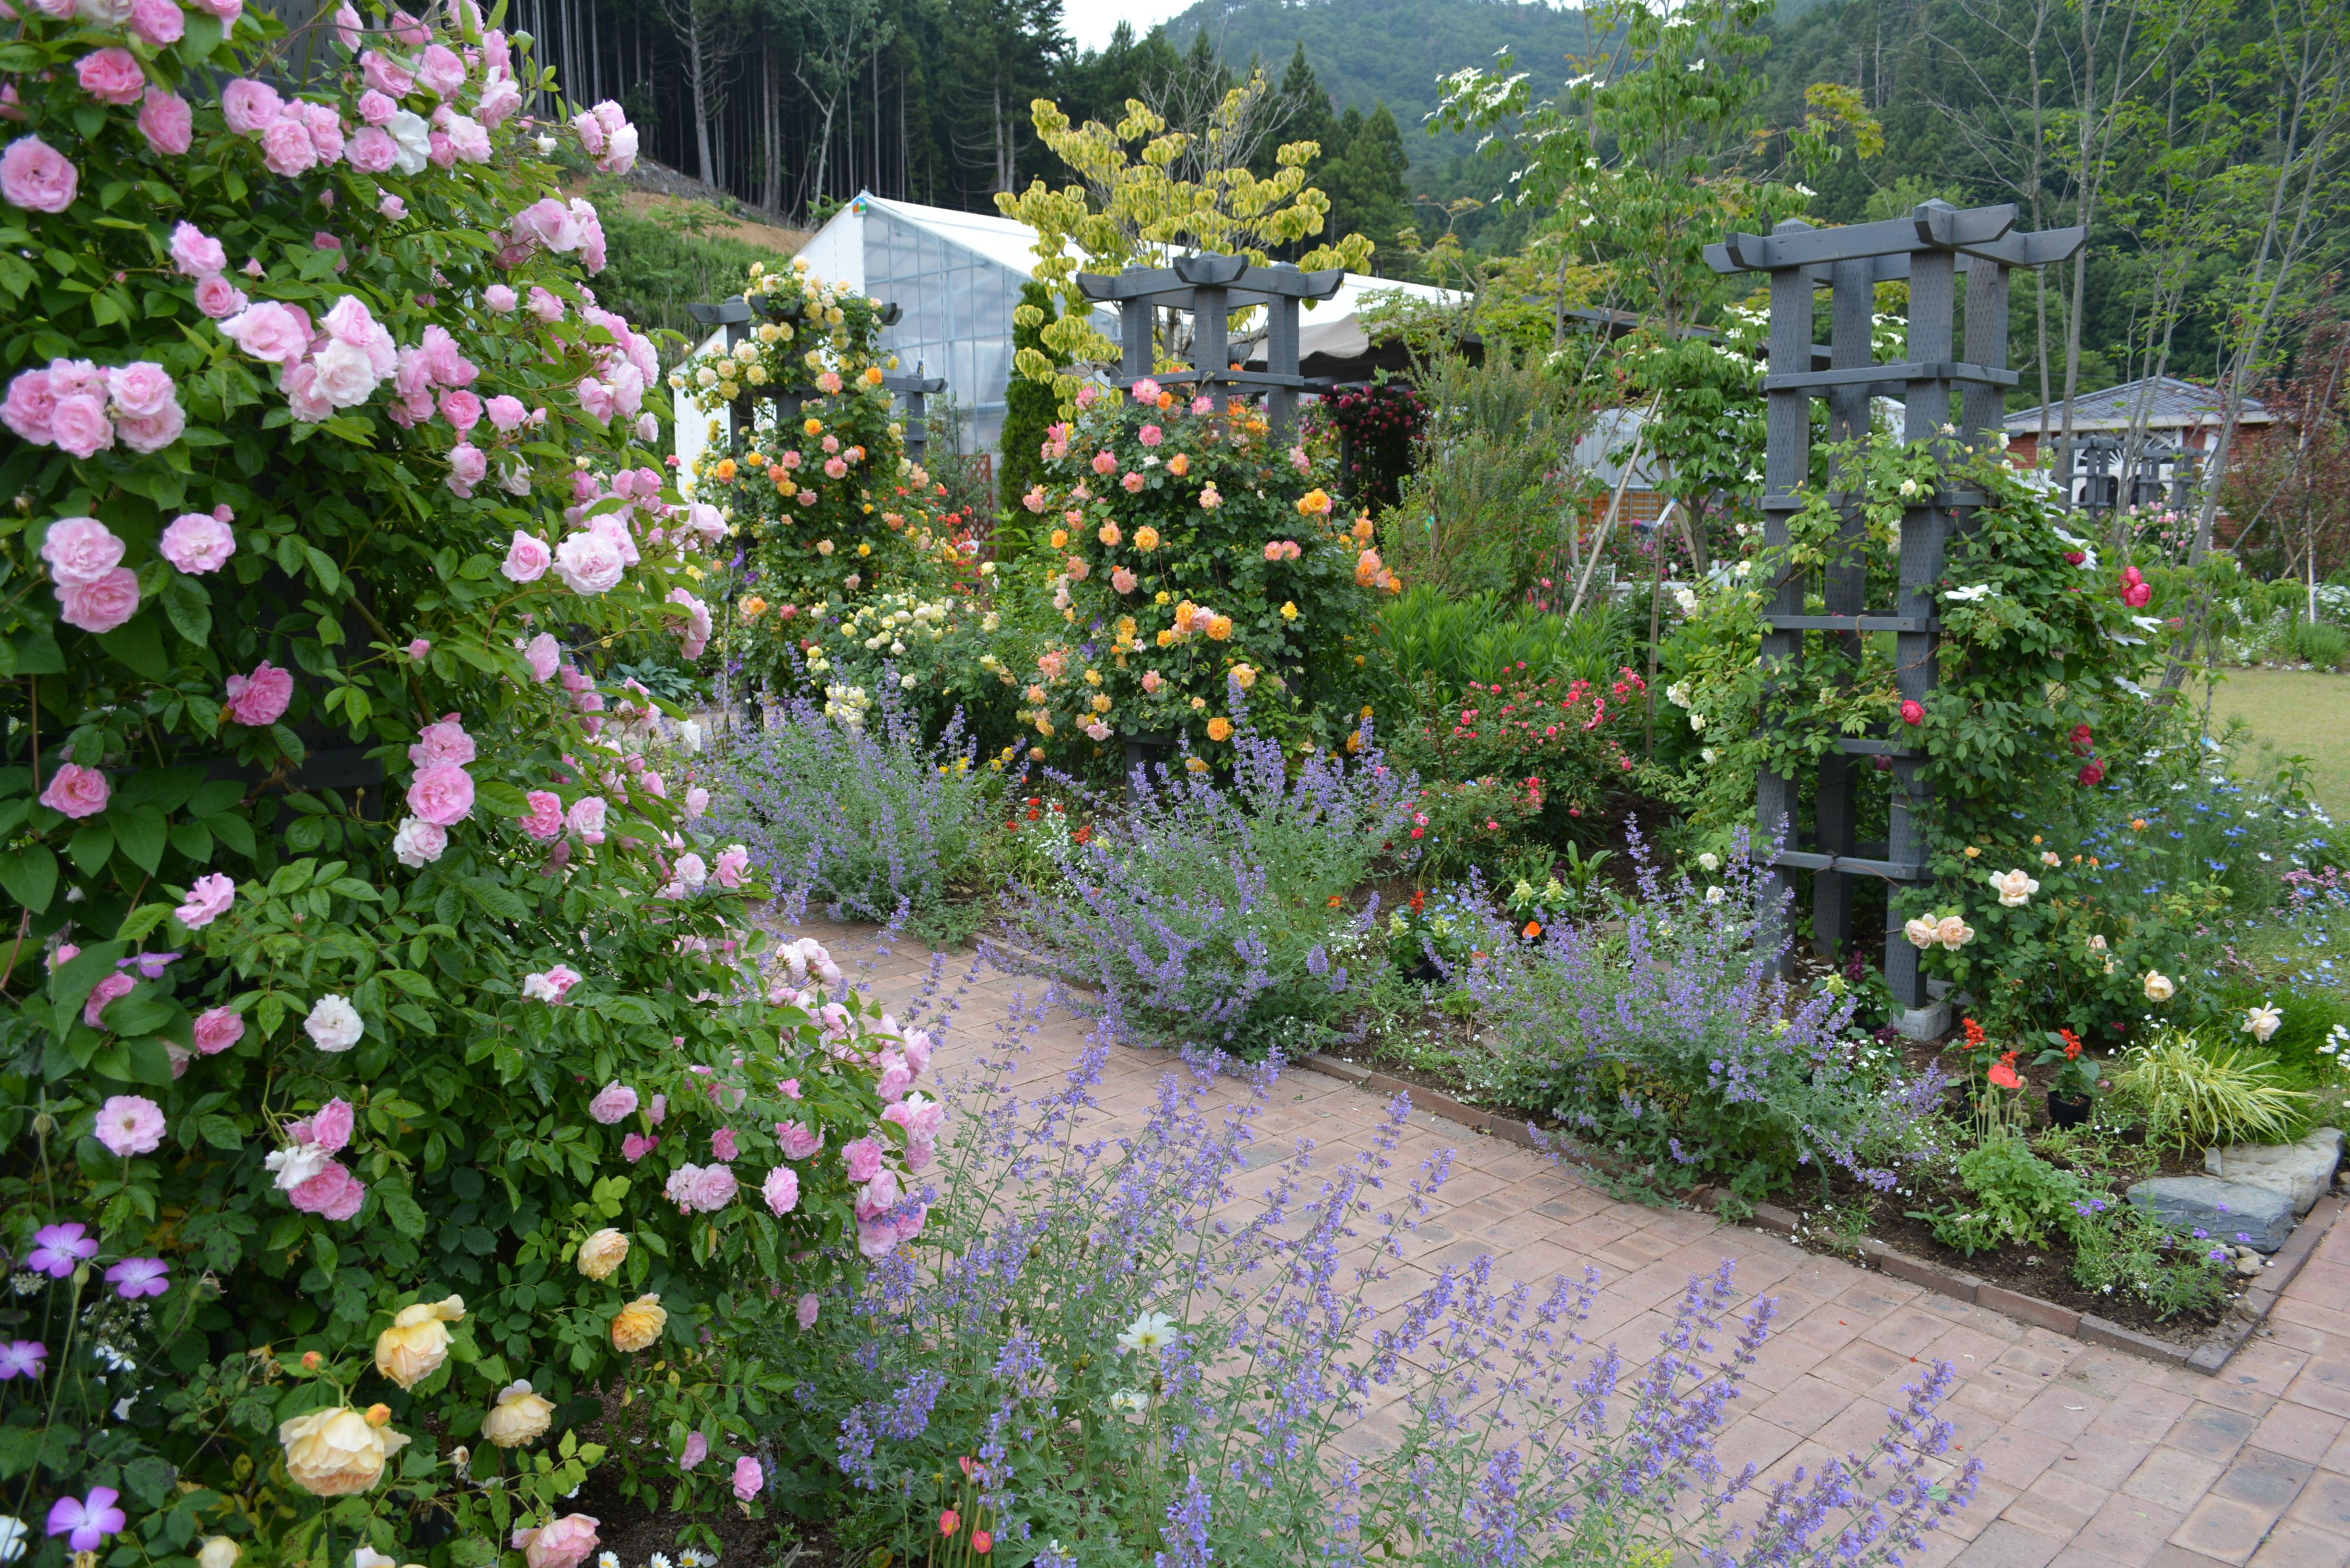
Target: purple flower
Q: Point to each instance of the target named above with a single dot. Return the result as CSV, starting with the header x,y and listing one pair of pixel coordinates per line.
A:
x,y
151,966
58,1248
22,1358
136,1277
86,1522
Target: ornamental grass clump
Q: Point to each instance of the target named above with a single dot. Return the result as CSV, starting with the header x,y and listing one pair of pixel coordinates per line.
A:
x,y
864,816
385,1080
1109,1352
1202,909
1675,1043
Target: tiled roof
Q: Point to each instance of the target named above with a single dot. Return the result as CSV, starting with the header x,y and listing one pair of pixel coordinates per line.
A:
x,y
2175,405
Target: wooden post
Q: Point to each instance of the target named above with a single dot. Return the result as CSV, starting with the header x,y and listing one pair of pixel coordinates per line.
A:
x,y
1852,317
1785,470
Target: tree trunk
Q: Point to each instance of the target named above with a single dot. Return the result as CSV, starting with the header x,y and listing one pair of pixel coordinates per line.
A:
x,y
698,83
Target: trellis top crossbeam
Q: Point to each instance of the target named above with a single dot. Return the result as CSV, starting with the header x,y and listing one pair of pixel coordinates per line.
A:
x,y
1986,232
1245,283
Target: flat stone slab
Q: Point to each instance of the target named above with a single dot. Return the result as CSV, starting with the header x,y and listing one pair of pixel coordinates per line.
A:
x,y
2223,1210
2302,1171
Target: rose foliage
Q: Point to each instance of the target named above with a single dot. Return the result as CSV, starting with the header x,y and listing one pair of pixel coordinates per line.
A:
x,y
384,1071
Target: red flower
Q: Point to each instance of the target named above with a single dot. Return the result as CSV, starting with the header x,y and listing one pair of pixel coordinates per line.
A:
x,y
1913,711
2004,1074
2083,738
2072,1044
1975,1035
2092,774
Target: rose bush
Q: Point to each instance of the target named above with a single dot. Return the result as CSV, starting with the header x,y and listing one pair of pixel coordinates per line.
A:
x,y
384,1066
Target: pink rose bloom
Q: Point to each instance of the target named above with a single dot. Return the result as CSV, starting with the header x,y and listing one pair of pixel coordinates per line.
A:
x,y
329,1127
547,223
705,1189
547,307
798,1142
505,412
76,790
658,1110
260,698
419,648
697,802
444,740
207,901
141,388
697,1449
375,109
158,22
442,795
545,653
1152,435
1105,462
546,818
748,1478
197,543
501,96
250,105
896,1077
391,207
98,608
227,10
38,177
334,1193
372,151
151,433
1122,580
195,253
112,76
271,332
613,1103
286,148
167,121
589,563
112,987
634,1146
882,1193
527,559
217,1029
807,1310
562,1544
469,140
1133,482
551,986
463,409
79,424
385,77
733,861
863,1157
441,69
32,399
130,1124
587,818
724,1145
217,298
80,550
781,1189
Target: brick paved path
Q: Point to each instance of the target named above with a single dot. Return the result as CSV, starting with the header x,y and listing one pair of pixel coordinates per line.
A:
x,y
2095,1458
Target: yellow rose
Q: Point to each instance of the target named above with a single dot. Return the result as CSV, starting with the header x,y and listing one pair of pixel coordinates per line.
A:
x,y
602,1252
1101,702
725,468
873,374
1313,503
753,608
1220,628
1060,538
1245,674
1107,534
638,1324
1146,538
519,1417
1220,728
813,427
1179,464
334,1453
417,1342
1289,610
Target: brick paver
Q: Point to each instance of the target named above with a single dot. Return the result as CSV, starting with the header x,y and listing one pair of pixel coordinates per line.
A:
x,y
2094,1458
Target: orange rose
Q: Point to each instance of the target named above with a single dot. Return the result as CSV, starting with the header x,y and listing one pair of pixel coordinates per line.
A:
x,y
1220,728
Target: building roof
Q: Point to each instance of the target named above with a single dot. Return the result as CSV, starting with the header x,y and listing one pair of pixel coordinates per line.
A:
x,y
2175,405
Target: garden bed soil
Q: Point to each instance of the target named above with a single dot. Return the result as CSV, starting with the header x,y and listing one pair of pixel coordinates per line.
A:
x,y
634,1534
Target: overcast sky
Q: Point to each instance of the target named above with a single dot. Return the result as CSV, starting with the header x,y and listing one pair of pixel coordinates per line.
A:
x,y
1091,22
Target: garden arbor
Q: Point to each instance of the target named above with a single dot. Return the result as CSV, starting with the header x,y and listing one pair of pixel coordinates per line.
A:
x,y
1211,288
735,315
1930,248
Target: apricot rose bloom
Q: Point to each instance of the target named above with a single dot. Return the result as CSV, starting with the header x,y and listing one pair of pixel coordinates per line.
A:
x,y
334,1453
562,1542
417,1342
602,1252
519,1417
638,1325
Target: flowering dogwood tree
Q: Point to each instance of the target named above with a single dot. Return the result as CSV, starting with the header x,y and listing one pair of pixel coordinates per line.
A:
x,y
384,1067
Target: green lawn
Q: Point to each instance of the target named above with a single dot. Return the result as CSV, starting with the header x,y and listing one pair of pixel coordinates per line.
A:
x,y
2291,710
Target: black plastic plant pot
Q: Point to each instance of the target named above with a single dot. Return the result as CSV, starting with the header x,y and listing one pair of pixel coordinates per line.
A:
x,y
2069,1110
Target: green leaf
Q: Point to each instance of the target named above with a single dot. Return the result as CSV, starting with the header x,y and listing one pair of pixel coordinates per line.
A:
x,y
188,607
210,799
30,875
203,36
399,1207
234,831
501,799
495,899
142,920
140,645
38,654
221,1132
150,1062
140,834
91,846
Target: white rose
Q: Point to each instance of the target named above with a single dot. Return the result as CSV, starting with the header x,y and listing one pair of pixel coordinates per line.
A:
x,y
1922,933
419,842
415,140
334,1024
1709,860
293,1167
2262,1022
2015,887
218,1551
345,378
589,563
2158,987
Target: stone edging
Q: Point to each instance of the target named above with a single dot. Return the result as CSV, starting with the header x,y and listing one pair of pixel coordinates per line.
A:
x,y
2208,1357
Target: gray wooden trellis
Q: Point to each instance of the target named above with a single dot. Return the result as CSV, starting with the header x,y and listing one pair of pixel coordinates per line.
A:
x,y
735,315
1211,288
1929,248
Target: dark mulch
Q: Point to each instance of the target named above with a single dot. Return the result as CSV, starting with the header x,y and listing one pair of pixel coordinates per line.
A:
x,y
633,1533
